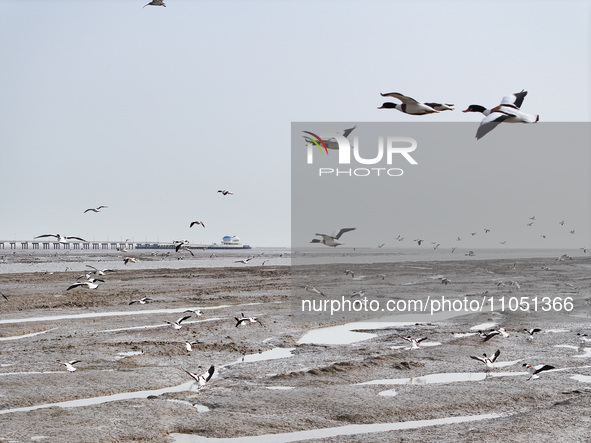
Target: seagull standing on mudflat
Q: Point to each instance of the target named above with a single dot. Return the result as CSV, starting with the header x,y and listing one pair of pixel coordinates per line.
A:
x,y
188,344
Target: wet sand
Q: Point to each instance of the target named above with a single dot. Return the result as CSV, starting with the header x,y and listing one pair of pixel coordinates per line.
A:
x,y
267,381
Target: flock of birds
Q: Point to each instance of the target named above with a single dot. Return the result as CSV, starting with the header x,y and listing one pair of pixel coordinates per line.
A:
x,y
201,379
489,361
333,240
176,325
508,111
180,245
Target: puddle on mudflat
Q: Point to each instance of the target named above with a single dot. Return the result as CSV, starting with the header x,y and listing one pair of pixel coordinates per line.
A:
x,y
271,354
314,434
422,345
162,325
280,388
586,354
483,326
200,408
450,377
121,355
345,334
103,399
583,378
116,314
32,334
567,346
34,372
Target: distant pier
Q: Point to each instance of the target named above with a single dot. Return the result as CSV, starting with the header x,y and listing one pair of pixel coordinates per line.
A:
x,y
96,245
28,244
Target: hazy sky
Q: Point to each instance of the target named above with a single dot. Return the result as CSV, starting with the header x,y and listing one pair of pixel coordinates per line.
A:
x,y
152,110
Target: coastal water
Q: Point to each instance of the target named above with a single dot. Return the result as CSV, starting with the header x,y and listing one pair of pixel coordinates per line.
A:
x,y
28,260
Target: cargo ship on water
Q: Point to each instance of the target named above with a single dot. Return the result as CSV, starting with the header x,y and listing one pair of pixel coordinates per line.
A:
x,y
228,242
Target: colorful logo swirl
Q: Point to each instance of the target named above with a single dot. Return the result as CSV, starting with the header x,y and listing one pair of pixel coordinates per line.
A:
x,y
317,143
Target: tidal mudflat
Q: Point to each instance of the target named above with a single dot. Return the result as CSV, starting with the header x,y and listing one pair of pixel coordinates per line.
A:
x,y
290,379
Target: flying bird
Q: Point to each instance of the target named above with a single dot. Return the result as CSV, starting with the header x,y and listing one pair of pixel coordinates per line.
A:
x,y
156,3
488,335
328,143
197,312
201,379
313,290
331,240
90,284
177,324
508,111
60,239
197,223
411,106
141,301
414,342
225,192
244,261
99,271
186,248
488,361
530,332
244,320
535,370
95,209
179,244
68,364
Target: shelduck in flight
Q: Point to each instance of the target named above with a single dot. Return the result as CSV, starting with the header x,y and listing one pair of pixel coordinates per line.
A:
x,y
411,106
508,111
